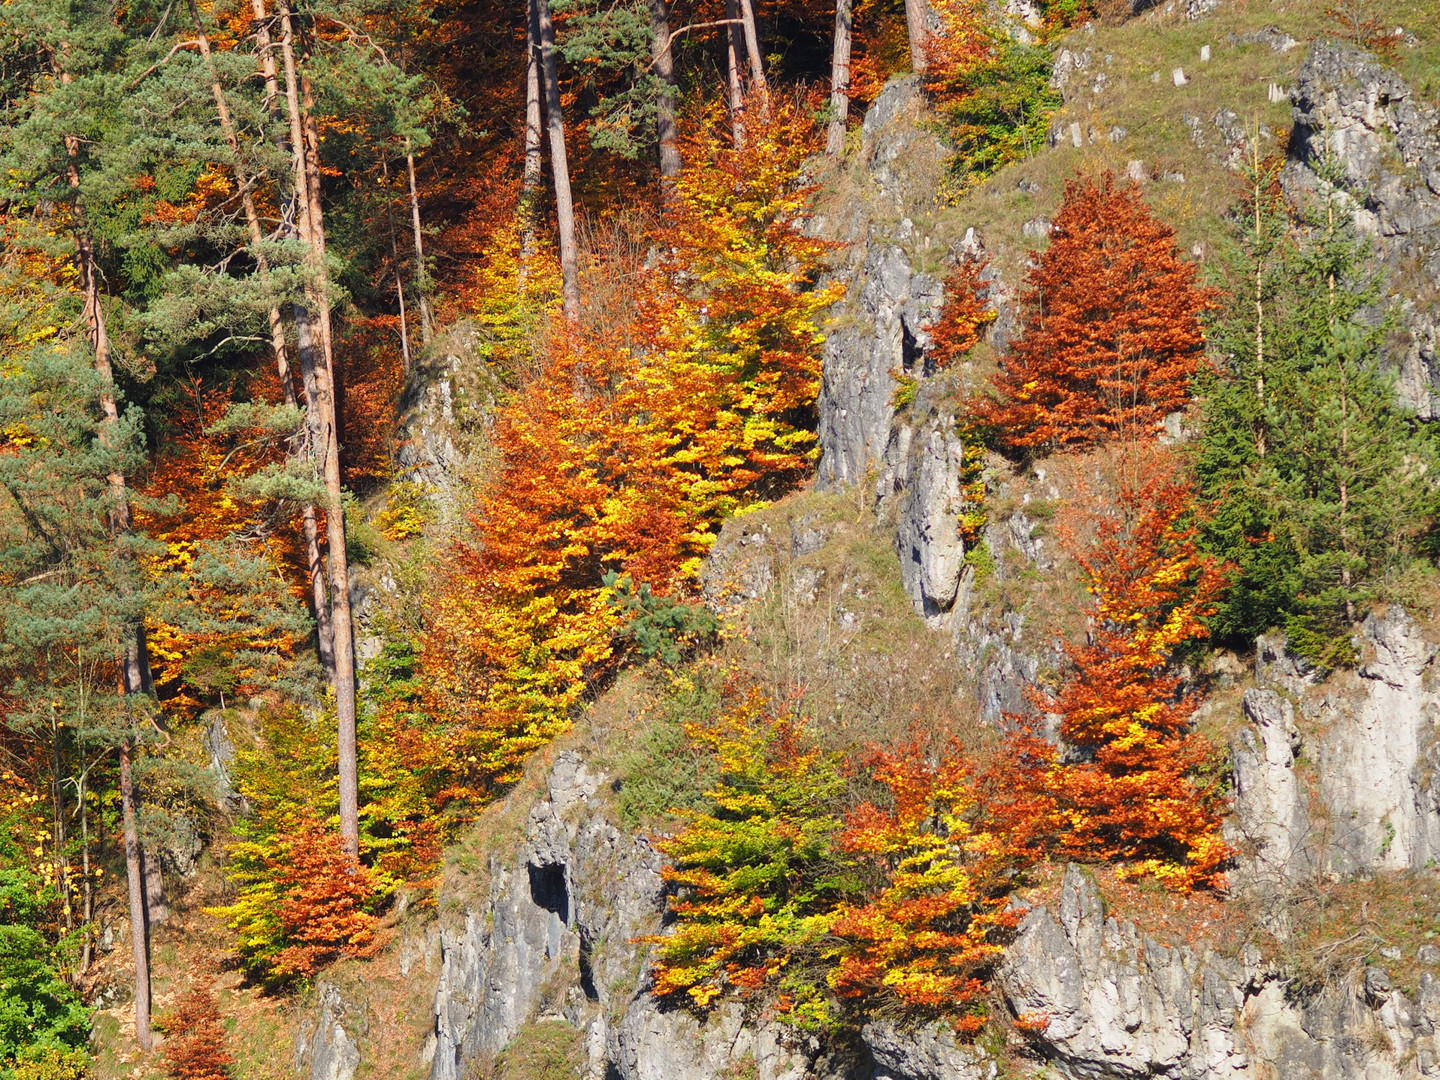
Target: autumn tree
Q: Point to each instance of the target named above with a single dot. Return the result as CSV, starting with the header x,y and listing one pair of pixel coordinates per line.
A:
x,y
306,902
964,316
1111,336
932,926
195,1047
756,872
1129,785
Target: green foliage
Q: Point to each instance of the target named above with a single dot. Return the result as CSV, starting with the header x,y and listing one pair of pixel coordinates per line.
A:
x,y
757,871
1324,487
661,628
998,110
608,45
666,773
547,1050
43,1024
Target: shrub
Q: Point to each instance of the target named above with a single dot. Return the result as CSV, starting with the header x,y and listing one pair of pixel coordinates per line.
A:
x,y
194,1048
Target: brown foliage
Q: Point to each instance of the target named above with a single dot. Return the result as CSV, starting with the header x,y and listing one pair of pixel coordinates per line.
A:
x,y
1112,330
195,1045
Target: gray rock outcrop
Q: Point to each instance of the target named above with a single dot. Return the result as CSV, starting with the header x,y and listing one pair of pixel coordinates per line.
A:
x,y
1353,110
1371,733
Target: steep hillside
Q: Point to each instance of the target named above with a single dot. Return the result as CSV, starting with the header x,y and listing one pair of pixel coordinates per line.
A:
x,y
855,591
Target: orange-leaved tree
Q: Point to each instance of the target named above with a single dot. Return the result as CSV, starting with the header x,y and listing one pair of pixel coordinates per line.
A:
x,y
304,903
1112,333
686,396
1133,787
195,1043
934,923
964,315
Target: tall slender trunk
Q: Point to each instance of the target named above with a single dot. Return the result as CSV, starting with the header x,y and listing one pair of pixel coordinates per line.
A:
x,y
139,932
662,62
839,80
309,524
82,784
917,26
534,151
395,263
758,86
134,662
422,276
318,368
559,164
734,87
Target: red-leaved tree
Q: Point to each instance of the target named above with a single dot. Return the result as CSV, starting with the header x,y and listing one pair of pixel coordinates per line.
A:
x,y
1131,788
194,1047
964,315
1112,332
324,893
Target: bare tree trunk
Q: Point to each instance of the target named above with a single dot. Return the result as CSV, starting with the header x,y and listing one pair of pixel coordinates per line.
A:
x,y
422,276
917,24
734,87
662,62
559,164
139,932
534,151
320,376
395,263
323,635
758,85
839,80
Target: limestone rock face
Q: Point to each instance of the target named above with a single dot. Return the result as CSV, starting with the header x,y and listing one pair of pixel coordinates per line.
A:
x,y
1105,1000
1386,139
1371,735
326,1048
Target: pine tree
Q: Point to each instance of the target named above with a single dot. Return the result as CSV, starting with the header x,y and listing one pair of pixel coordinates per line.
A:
x,y
1321,479
1112,335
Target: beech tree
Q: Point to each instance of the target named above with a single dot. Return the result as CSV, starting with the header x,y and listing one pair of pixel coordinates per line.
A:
x,y
1111,336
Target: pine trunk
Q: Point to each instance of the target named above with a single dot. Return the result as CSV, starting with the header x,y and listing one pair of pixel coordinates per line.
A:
x,y
534,135
839,80
917,25
422,279
316,347
139,932
559,164
135,666
758,86
662,62
734,87
323,634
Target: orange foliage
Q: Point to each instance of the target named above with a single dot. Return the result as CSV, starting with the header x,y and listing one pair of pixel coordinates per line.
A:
x,y
964,315
1112,330
194,1047
324,891
369,370
926,937
1129,790
683,397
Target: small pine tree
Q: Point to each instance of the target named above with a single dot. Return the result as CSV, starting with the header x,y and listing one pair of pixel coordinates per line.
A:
x,y
1112,332
1322,481
196,1045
